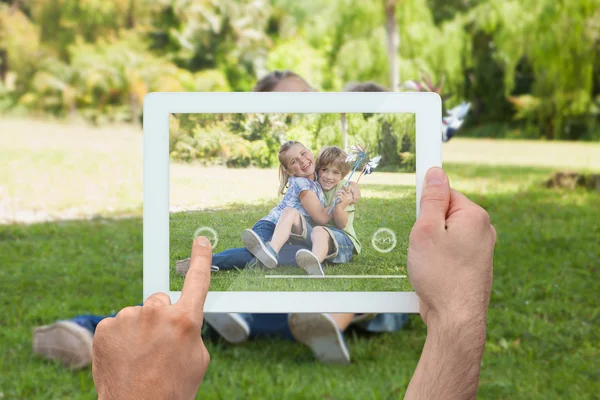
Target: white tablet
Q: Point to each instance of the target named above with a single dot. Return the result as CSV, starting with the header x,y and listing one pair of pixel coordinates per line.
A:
x,y
210,169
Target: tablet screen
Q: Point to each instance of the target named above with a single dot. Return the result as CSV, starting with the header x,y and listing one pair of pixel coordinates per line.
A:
x,y
272,230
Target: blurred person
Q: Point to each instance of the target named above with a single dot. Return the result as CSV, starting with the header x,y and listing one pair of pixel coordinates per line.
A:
x,y
70,341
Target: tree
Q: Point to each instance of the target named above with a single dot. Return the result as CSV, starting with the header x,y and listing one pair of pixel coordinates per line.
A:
x,y
393,43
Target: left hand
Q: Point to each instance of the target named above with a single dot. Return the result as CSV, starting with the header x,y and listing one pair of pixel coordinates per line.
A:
x,y
155,351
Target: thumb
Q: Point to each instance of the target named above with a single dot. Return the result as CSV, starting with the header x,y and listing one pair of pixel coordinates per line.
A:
x,y
435,198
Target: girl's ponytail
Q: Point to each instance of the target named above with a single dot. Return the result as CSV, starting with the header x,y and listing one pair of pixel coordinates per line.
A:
x,y
284,177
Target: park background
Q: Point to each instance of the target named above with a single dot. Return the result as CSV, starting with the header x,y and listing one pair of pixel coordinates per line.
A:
x,y
73,75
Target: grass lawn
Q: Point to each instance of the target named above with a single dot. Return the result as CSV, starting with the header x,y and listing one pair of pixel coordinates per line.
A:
x,y
388,206
543,325
544,318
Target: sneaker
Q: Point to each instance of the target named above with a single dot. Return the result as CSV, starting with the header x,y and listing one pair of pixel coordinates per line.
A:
x,y
263,252
322,335
182,266
309,262
232,327
66,342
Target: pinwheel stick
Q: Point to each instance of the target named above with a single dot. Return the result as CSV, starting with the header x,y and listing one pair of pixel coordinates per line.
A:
x,y
361,174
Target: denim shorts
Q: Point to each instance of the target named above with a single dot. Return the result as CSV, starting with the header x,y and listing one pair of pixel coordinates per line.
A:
x,y
343,248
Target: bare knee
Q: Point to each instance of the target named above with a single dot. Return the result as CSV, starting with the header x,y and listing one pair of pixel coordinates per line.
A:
x,y
319,233
290,212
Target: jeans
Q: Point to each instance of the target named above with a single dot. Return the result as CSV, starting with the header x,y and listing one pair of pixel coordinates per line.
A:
x,y
261,325
240,257
384,323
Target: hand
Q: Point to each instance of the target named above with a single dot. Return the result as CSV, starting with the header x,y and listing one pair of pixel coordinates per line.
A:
x,y
155,351
344,197
450,255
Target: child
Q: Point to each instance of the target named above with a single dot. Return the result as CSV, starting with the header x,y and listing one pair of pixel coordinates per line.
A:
x,y
336,243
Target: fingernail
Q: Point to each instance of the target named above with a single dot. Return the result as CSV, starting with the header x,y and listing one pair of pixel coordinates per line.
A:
x,y
435,176
202,241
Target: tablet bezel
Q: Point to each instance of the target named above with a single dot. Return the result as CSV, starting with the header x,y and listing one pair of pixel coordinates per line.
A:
x,y
427,108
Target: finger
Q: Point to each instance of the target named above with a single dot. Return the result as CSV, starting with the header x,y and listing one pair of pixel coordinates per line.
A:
x,y
197,280
459,202
494,234
158,300
435,198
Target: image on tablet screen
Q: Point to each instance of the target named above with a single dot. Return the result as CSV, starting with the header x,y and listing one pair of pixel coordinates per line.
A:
x,y
294,202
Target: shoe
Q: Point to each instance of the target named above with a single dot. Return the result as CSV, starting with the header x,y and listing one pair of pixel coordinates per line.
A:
x,y
182,266
232,327
309,262
263,252
66,342
322,335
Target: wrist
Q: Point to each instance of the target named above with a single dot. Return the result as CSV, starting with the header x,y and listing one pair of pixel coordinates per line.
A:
x,y
456,327
450,364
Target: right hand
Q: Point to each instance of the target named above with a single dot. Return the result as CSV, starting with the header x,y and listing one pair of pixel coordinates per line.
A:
x,y
450,256
155,351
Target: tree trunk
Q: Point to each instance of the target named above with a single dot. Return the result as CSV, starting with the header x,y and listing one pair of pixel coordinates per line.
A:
x,y
393,43
3,65
130,23
344,131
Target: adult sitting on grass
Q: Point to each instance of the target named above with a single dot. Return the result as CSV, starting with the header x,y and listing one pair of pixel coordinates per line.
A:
x,y
70,341
237,328
450,263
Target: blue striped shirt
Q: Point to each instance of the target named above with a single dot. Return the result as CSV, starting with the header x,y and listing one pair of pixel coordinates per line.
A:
x,y
291,198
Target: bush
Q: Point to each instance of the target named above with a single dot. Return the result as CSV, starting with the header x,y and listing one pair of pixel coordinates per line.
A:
x,y
237,140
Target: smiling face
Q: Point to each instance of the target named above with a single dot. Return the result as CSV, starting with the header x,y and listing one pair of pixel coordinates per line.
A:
x,y
299,161
329,177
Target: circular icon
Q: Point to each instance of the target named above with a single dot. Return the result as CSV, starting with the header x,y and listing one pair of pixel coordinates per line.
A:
x,y
212,235
384,240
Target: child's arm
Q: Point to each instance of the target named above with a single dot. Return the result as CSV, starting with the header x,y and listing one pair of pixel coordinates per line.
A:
x,y
340,215
313,206
355,192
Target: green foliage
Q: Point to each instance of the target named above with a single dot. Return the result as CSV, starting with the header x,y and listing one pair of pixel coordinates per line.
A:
x,y
225,35
533,63
559,41
108,80
20,39
239,140
63,22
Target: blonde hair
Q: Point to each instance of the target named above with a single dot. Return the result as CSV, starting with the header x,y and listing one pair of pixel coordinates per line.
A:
x,y
333,155
284,177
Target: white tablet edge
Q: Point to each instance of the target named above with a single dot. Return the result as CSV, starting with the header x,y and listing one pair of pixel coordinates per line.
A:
x,y
427,108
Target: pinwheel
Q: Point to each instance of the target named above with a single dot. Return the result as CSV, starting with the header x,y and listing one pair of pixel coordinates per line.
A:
x,y
454,120
456,116
358,155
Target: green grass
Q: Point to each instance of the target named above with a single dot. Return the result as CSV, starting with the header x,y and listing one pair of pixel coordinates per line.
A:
x,y
543,323
388,206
